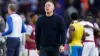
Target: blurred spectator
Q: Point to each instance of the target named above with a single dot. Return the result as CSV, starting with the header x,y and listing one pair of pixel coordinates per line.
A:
x,y
40,9
61,2
22,38
24,7
2,39
23,17
34,4
58,9
71,9
76,4
91,3
84,7
68,12
14,1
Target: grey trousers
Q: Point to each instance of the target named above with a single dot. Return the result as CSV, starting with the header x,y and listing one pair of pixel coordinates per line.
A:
x,y
3,49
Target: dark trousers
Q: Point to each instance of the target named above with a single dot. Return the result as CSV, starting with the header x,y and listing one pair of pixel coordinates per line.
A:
x,y
62,54
49,51
13,45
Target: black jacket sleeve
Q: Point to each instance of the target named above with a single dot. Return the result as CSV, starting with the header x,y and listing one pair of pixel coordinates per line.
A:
x,y
62,31
37,34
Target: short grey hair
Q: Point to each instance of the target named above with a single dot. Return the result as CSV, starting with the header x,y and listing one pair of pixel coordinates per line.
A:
x,y
12,7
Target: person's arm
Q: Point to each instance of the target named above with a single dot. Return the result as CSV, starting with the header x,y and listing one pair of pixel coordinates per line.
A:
x,y
97,29
71,32
37,34
28,34
10,26
62,32
23,28
84,35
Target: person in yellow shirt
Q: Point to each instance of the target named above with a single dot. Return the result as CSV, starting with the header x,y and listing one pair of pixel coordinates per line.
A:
x,y
76,35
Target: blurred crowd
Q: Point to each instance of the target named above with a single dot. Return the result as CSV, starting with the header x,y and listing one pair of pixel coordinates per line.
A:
x,y
63,7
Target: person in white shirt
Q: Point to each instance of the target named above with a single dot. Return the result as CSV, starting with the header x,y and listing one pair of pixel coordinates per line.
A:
x,y
88,43
14,28
89,48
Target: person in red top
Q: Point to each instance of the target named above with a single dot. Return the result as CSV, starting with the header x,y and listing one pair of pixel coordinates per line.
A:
x,y
30,44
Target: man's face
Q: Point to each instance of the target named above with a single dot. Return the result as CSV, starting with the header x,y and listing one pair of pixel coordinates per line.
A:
x,y
34,18
49,7
89,18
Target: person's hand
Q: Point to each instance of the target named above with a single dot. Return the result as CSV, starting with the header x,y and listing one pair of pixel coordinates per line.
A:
x,y
61,49
38,52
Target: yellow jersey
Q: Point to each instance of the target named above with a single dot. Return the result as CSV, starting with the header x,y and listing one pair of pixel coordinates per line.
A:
x,y
78,33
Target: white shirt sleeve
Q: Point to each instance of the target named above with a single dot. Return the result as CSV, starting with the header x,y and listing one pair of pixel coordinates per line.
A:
x,y
96,25
29,30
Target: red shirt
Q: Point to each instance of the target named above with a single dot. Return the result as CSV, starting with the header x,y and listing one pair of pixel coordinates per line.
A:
x,y
31,45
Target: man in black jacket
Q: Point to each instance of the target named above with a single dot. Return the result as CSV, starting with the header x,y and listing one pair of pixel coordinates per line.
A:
x,y
50,32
